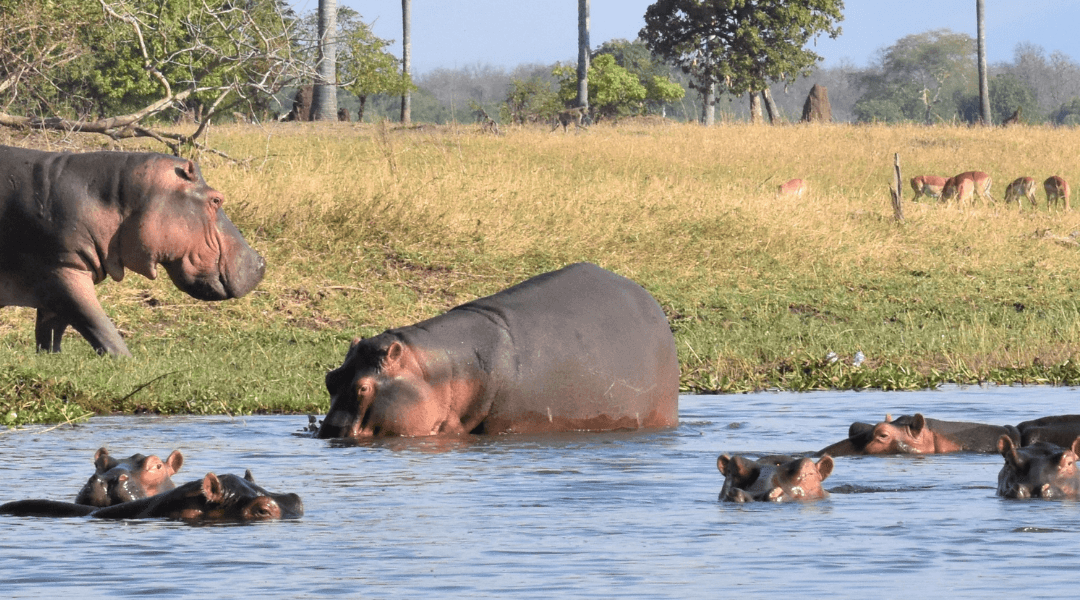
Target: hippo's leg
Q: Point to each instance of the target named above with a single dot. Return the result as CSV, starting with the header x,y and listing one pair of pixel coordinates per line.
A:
x,y
49,330
72,299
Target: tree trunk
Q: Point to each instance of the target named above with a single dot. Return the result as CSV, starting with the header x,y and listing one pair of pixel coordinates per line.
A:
x,y
324,103
406,59
360,113
708,105
984,88
770,107
755,109
583,54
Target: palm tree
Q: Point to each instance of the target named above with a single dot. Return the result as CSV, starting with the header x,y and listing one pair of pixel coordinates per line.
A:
x,y
984,89
583,54
324,98
406,59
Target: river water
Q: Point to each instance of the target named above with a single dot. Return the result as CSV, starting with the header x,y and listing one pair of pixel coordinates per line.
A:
x,y
574,515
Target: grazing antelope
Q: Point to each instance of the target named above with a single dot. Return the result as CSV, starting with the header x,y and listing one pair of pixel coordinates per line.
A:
x,y
1021,187
980,185
795,187
1056,189
927,185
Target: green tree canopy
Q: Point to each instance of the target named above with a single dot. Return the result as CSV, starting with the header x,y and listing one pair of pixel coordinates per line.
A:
x,y
613,91
919,78
637,59
742,44
364,66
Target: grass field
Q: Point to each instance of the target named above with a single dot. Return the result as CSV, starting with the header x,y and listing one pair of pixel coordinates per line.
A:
x,y
366,227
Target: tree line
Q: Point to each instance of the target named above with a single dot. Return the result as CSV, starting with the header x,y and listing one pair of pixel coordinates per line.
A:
x,y
118,67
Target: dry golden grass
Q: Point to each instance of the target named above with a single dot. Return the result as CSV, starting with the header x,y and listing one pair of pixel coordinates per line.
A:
x,y
367,227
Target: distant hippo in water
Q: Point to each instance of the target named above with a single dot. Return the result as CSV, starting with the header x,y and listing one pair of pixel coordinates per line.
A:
x,y
919,435
126,479
1060,430
773,478
68,221
1041,470
212,498
580,348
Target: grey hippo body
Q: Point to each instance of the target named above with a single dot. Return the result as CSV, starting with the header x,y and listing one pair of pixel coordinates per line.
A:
x,y
69,221
580,348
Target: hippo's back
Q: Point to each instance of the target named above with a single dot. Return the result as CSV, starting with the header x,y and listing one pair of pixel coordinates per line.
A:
x,y
588,349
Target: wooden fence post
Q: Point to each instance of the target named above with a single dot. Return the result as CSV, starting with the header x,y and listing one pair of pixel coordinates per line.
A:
x,y
897,190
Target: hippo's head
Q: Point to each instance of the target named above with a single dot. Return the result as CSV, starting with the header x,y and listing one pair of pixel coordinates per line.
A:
x,y
175,219
1041,470
773,478
117,480
231,498
380,389
905,435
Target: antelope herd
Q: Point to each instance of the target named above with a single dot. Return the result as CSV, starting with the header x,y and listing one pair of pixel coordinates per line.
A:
x,y
965,187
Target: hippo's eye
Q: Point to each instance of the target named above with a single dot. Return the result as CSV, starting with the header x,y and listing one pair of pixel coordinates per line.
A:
x,y
364,388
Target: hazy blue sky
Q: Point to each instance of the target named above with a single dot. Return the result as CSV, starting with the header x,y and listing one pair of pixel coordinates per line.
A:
x,y
506,33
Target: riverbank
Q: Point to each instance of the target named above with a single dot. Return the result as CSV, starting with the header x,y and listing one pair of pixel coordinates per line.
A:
x,y
367,227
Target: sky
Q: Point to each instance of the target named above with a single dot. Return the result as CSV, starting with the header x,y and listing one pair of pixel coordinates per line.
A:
x,y
454,34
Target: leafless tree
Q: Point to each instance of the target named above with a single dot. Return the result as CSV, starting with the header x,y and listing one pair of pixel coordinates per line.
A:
x,y
240,58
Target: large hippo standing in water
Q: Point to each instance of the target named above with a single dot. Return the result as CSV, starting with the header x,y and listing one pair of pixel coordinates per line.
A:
x,y
68,221
580,348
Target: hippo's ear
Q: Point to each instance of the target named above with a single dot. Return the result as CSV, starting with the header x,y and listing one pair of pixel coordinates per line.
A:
x,y
825,466
1075,447
1008,450
918,423
722,463
189,171
248,476
393,355
102,461
355,341
175,461
212,489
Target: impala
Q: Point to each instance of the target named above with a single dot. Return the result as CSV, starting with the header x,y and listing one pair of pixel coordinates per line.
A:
x,y
1057,189
1021,187
927,185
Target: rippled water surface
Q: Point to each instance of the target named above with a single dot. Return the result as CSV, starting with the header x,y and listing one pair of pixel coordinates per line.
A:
x,y
575,515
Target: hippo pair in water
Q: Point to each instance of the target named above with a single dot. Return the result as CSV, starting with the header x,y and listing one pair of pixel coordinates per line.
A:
x,y
212,498
141,487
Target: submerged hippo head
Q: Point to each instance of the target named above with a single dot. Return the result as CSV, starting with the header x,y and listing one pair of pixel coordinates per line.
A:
x,y
773,478
1041,470
176,221
905,435
126,479
212,498
380,389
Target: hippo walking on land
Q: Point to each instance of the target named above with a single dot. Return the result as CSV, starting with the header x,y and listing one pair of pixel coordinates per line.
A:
x,y
580,348
773,478
919,435
212,498
68,221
